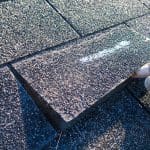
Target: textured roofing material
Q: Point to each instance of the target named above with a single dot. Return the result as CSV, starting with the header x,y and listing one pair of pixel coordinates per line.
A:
x,y
120,123
29,26
70,56
91,15
141,25
146,2
73,79
22,125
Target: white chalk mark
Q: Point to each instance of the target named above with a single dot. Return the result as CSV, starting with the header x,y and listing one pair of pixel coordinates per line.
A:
x,y
9,124
147,39
105,52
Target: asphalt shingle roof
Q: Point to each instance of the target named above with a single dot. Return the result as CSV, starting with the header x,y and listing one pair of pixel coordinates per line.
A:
x,y
73,79
64,56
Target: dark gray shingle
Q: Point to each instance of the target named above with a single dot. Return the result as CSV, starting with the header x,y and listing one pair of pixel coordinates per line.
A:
x,y
29,26
22,125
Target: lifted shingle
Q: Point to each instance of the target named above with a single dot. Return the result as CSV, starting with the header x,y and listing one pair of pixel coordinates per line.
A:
x,y
69,81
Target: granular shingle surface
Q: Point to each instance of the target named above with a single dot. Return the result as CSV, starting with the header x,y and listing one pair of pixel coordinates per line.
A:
x,y
141,25
91,15
146,2
22,125
29,26
73,79
66,58
120,124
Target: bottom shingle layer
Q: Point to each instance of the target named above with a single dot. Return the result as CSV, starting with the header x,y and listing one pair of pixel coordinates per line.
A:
x,y
22,125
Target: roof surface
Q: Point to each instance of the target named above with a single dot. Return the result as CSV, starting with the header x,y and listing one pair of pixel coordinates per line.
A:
x,y
66,64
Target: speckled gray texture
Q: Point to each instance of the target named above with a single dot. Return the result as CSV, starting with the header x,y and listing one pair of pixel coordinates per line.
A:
x,y
91,15
119,124
70,85
141,25
146,2
28,26
138,89
22,125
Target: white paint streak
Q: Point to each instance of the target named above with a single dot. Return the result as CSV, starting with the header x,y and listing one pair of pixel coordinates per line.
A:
x,y
105,52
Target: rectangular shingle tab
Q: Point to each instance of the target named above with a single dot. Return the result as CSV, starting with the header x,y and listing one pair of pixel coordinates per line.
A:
x,y
92,15
29,26
141,25
72,79
22,125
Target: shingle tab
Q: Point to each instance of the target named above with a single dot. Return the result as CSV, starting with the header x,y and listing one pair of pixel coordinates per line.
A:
x,y
29,26
91,15
72,79
22,125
